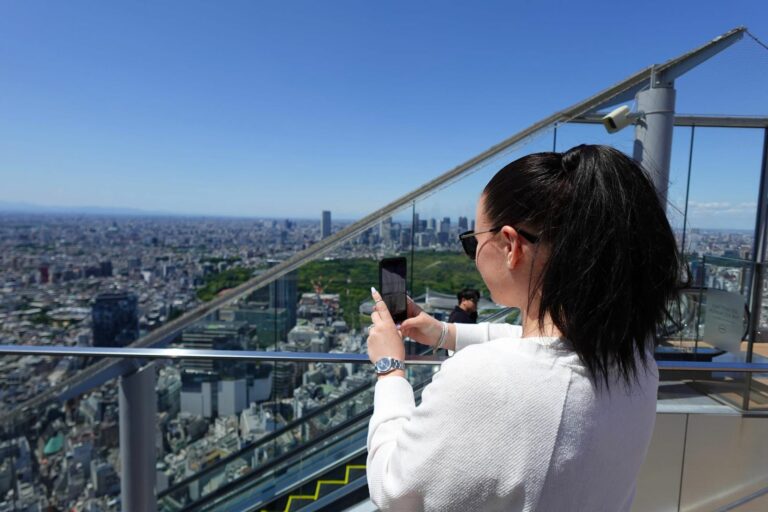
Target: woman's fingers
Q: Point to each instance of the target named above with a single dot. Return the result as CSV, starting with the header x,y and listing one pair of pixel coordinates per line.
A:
x,y
380,307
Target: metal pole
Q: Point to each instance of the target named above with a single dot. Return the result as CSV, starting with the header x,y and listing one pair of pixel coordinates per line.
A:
x,y
138,417
687,190
653,132
554,139
410,347
759,250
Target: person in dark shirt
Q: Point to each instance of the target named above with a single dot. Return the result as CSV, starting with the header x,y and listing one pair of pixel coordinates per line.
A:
x,y
466,311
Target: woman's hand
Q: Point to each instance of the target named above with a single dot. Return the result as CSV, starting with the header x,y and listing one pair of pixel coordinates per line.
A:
x,y
384,340
420,326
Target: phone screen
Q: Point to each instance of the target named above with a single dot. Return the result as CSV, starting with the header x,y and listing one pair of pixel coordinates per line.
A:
x,y
392,272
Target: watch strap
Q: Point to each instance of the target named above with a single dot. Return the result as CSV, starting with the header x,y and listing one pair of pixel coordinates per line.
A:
x,y
388,364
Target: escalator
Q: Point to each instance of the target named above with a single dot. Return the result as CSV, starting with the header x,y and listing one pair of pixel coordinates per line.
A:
x,y
342,486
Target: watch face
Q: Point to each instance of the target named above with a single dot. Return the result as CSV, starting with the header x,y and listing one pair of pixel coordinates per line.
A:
x,y
383,364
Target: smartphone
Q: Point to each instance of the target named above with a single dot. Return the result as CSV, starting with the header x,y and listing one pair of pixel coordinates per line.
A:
x,y
392,272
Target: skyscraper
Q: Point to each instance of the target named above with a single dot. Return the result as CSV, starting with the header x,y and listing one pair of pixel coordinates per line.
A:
x,y
385,230
445,225
281,296
445,229
115,319
325,224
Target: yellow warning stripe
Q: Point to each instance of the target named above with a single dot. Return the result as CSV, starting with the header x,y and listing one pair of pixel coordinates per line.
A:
x,y
314,497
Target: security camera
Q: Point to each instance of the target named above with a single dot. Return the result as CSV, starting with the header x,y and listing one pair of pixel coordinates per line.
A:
x,y
619,118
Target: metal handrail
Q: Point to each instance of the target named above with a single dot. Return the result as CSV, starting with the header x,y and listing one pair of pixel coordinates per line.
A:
x,y
308,357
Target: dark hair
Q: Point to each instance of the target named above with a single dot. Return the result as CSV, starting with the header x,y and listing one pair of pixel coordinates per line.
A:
x,y
468,294
613,263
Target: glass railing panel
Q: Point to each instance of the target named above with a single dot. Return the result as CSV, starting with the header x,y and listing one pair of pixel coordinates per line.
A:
x,y
724,183
318,307
286,475
255,453
712,324
712,317
339,445
332,312
68,454
758,390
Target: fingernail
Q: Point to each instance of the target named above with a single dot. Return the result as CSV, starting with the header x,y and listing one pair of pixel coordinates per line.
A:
x,y
373,290
398,325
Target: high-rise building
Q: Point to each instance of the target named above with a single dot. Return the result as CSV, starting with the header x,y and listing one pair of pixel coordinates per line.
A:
x,y
105,268
281,294
286,375
115,319
463,224
405,238
365,237
270,324
385,230
445,225
44,274
325,224
201,378
214,336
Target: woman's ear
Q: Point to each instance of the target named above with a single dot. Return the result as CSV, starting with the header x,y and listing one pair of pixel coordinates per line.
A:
x,y
513,249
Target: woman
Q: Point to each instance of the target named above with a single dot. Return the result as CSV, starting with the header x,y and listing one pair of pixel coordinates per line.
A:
x,y
556,414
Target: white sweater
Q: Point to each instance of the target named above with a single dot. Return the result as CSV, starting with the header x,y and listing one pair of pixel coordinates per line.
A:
x,y
509,423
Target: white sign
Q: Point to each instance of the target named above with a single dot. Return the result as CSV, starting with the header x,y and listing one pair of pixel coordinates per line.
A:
x,y
724,321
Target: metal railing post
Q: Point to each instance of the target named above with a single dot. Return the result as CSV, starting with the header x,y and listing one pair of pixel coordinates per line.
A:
x,y
138,417
653,134
758,258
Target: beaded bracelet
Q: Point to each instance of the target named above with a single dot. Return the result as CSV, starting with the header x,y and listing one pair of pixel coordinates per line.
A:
x,y
441,340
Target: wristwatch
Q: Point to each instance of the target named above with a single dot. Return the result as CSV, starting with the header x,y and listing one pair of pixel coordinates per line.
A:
x,y
387,364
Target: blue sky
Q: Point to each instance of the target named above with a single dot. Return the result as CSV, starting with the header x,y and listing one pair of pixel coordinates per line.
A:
x,y
284,109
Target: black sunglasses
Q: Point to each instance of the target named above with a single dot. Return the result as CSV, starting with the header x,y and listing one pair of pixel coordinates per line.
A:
x,y
469,242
